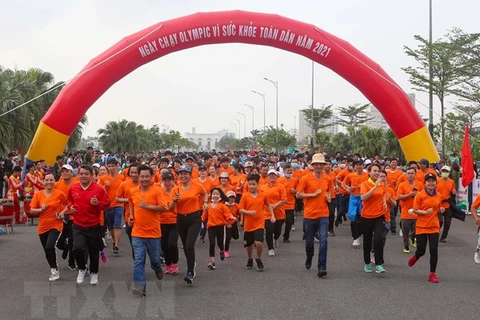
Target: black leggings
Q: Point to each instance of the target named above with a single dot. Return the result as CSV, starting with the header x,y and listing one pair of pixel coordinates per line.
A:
x,y
215,232
331,214
290,219
231,233
48,240
128,230
273,231
373,228
169,243
65,242
422,248
188,226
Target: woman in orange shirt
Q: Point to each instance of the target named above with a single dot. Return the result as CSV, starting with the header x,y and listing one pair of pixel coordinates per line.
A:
x,y
232,229
372,222
427,205
218,216
213,176
237,180
51,204
189,213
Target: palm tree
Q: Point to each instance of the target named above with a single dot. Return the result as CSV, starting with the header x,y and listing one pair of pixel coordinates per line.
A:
x,y
354,116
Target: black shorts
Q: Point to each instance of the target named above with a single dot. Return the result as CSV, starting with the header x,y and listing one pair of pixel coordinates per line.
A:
x,y
249,237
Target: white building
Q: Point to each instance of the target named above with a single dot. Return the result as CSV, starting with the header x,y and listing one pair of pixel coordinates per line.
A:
x,y
377,121
305,130
205,141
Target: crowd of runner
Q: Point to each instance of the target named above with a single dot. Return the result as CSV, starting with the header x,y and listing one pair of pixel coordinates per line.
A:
x,y
157,199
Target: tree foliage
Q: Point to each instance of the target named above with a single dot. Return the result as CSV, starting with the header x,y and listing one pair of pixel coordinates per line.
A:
x,y
354,116
320,118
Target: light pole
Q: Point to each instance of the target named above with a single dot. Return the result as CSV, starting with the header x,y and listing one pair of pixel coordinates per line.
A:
x,y
275,83
430,75
313,102
244,123
238,120
234,128
253,115
264,108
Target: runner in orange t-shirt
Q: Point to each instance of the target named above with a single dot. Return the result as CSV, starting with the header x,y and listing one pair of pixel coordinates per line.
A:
x,y
146,204
345,168
316,189
394,178
252,207
427,206
51,204
232,228
446,188
290,183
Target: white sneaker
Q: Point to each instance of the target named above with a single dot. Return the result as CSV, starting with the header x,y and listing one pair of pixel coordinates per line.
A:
x,y
271,253
356,242
400,233
55,275
476,257
81,276
293,228
93,278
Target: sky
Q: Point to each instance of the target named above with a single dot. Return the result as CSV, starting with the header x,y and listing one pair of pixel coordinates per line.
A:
x,y
204,87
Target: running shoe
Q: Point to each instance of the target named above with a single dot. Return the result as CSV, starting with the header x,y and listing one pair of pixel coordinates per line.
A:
x,y
476,256
286,240
174,269
380,269
72,267
321,273
222,255
406,250
331,233
93,278
400,233
433,277
293,228
104,257
159,274
55,275
189,278
168,269
308,263
81,276
271,253
367,268
260,266
443,240
356,242
412,261
250,264
413,243
211,265
227,254
116,250
138,291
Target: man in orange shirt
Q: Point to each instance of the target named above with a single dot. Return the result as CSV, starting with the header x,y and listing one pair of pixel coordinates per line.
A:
x,y
446,187
423,170
111,182
352,184
290,184
315,189
147,202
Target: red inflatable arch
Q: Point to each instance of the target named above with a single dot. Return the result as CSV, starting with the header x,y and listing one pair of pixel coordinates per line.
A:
x,y
231,27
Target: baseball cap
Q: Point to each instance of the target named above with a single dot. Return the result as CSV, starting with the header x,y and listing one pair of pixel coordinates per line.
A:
x,y
367,162
202,168
167,175
272,171
97,165
224,175
248,164
68,167
430,176
424,162
189,158
445,168
231,194
185,168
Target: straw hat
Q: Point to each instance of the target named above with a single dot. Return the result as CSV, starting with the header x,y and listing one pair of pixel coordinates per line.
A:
x,y
318,158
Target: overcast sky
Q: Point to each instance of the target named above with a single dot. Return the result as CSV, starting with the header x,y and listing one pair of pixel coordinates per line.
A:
x,y
204,87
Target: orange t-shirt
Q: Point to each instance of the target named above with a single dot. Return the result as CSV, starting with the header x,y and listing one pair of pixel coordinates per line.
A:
x,y
332,176
393,176
355,180
169,217
427,223
157,177
123,191
62,186
373,207
445,188
146,223
401,179
189,201
341,175
406,204
112,188
420,176
253,203
298,174
207,184
214,182
218,216
234,209
316,207
274,193
289,184
56,203
237,182
391,192
229,170
125,172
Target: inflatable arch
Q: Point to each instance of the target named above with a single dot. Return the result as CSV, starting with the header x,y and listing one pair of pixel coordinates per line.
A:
x,y
230,27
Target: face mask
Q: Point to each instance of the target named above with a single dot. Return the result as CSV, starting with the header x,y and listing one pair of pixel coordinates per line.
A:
x,y
342,165
74,172
288,175
350,168
445,174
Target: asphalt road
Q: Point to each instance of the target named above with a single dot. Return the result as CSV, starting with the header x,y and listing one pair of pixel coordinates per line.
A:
x,y
285,290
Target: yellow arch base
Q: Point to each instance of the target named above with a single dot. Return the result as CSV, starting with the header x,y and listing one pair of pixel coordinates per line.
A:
x,y
47,144
419,145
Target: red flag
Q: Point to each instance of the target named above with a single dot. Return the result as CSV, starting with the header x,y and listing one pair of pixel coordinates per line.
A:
x,y
467,160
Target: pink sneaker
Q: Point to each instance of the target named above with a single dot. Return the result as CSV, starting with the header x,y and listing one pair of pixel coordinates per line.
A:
x,y
227,254
168,269
174,269
104,257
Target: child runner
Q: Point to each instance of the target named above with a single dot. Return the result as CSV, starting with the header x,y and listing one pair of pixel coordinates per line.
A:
x,y
251,208
232,229
217,215
427,205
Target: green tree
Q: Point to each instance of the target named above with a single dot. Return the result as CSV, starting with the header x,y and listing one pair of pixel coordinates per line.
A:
x,y
323,140
449,68
341,142
320,118
472,113
354,116
268,140
454,130
120,136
